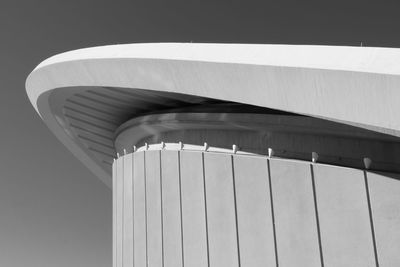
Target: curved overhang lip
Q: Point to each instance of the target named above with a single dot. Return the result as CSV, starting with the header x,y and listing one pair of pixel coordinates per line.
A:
x,y
347,58
354,85
378,60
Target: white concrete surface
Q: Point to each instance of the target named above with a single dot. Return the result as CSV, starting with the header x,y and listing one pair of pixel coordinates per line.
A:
x,y
353,85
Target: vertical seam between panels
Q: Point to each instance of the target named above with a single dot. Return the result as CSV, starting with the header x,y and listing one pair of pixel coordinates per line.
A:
x,y
161,210
145,206
123,206
205,208
115,213
371,219
321,255
180,206
133,211
236,215
272,211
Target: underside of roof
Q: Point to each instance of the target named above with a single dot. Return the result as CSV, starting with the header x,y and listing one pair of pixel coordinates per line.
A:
x,y
85,96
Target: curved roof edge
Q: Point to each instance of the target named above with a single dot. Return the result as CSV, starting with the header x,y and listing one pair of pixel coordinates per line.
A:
x,y
348,58
354,85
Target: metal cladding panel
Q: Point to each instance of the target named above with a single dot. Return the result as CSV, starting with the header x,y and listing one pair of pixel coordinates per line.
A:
x,y
201,209
221,215
153,209
120,211
128,211
171,208
255,228
384,192
195,251
114,211
294,211
346,236
139,211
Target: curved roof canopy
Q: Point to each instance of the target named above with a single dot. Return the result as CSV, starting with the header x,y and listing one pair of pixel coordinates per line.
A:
x,y
358,86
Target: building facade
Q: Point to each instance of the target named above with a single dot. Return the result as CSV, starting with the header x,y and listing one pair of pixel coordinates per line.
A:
x,y
236,155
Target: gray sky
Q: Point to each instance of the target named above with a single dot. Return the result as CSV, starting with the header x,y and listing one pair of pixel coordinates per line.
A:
x,y
53,212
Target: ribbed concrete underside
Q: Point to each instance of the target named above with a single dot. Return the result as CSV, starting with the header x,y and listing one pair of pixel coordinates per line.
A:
x,y
92,114
181,208
356,86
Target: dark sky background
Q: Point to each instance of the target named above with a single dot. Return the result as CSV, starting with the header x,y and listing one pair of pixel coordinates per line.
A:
x,y
53,211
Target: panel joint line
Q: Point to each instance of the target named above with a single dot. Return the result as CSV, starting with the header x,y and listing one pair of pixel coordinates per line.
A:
x,y
123,211
162,213
272,212
371,219
145,207
236,213
180,207
205,208
133,210
321,255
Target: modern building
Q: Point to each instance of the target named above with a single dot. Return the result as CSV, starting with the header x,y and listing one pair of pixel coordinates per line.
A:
x,y
234,154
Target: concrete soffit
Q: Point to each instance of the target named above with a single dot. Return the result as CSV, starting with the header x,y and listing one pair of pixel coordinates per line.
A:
x,y
94,91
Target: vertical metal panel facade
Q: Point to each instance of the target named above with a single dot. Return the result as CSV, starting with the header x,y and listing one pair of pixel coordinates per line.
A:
x,y
221,215
119,212
255,229
384,192
181,208
194,230
139,211
153,209
171,209
114,214
127,227
344,217
296,225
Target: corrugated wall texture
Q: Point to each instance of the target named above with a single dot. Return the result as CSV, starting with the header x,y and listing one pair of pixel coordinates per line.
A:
x,y
188,208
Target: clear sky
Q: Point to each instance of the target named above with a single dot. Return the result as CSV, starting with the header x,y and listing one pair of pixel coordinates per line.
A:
x,y
53,211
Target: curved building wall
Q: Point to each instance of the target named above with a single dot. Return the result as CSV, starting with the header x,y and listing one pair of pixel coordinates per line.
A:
x,y
175,207
194,208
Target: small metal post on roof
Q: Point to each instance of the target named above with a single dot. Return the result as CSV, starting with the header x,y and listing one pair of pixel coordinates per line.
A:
x,y
124,151
117,155
180,145
270,152
134,148
314,157
367,163
162,145
234,149
205,146
146,146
